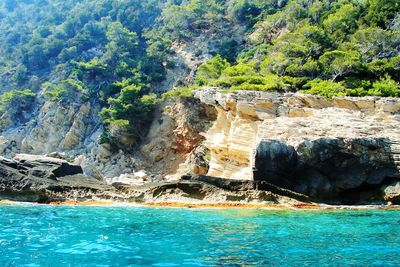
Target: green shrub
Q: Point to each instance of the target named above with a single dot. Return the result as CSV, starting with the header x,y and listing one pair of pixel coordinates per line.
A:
x,y
326,88
384,65
180,92
244,10
294,82
240,69
211,70
64,90
385,87
255,82
131,110
92,69
16,98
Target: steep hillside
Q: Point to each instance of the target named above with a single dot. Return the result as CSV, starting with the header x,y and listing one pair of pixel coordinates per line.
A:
x,y
122,54
109,84
114,54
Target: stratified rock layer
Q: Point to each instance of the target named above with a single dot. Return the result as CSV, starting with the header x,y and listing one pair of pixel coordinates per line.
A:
x,y
44,179
314,145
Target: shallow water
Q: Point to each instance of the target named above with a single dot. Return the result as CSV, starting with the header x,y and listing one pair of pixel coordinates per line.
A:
x,y
33,235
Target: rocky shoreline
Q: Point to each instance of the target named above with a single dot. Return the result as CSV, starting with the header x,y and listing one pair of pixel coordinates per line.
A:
x,y
29,178
46,180
241,147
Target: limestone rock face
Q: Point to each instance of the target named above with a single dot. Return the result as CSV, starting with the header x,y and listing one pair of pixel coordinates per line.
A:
x,y
70,129
231,141
311,144
325,148
57,127
74,130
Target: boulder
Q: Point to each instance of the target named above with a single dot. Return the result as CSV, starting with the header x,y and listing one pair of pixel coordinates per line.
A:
x,y
391,193
45,167
141,175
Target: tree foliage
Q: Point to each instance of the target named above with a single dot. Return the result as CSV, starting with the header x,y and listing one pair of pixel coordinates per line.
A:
x,y
322,47
19,100
117,53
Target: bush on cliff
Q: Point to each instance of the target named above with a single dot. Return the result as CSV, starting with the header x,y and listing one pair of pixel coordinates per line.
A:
x,y
180,92
325,88
210,70
67,89
19,100
131,110
386,86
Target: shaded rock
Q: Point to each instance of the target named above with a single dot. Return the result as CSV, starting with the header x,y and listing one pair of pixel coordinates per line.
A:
x,y
276,159
210,189
246,186
328,168
43,179
198,161
44,167
19,182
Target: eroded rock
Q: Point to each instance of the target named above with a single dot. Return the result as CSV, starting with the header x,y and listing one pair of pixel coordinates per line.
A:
x,y
326,148
43,179
391,193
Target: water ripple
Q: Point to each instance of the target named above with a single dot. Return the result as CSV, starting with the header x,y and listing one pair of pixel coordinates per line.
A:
x,y
94,236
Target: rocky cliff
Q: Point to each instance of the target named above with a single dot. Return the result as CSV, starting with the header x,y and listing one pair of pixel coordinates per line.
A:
x,y
73,132
63,129
326,148
340,150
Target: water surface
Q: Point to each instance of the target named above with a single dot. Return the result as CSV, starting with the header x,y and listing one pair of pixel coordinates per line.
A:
x,y
33,235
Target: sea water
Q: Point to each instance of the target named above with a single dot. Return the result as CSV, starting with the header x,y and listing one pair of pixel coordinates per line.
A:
x,y
34,235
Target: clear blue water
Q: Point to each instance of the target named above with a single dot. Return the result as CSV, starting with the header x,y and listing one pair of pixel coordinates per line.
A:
x,y
34,235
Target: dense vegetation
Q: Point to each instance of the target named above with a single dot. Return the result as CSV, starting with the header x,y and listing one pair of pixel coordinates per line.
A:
x,y
331,48
82,51
117,53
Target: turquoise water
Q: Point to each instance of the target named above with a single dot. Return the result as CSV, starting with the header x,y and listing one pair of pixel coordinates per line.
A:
x,y
34,235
